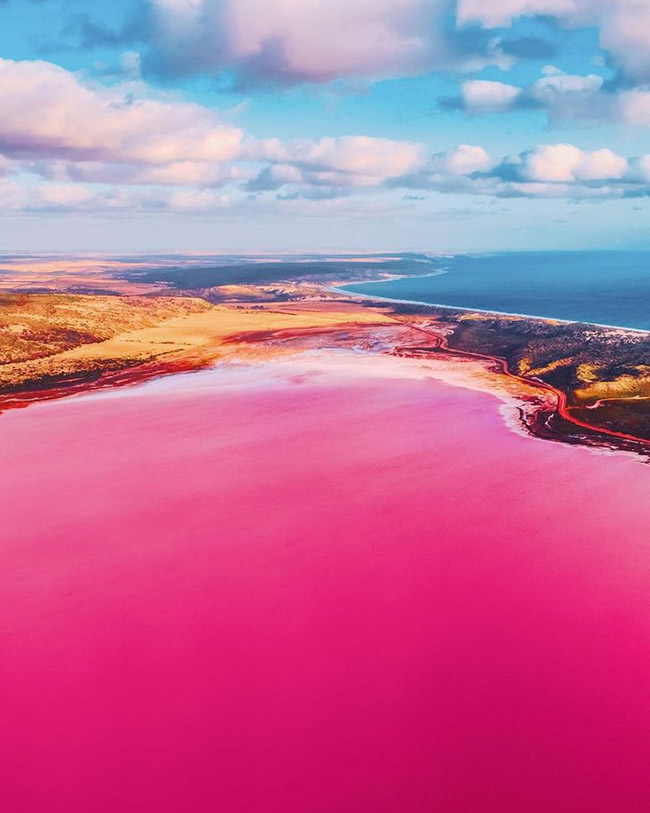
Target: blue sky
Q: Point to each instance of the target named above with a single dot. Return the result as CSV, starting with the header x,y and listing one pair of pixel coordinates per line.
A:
x,y
324,124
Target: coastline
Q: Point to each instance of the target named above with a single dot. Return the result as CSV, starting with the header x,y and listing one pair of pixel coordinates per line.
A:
x,y
264,322
463,309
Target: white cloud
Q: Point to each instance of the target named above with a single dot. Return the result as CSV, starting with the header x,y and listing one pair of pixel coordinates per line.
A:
x,y
110,150
482,96
633,107
601,165
640,169
47,110
624,25
575,98
184,173
64,195
360,155
13,197
565,97
462,160
547,171
495,13
557,85
310,40
352,160
566,163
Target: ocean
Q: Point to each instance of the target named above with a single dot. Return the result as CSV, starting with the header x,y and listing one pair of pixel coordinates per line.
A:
x,y
601,287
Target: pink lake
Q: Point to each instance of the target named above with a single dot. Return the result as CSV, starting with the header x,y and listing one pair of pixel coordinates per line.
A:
x,y
270,590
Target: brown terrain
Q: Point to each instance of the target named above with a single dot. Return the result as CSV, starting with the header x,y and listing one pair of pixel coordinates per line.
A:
x,y
150,320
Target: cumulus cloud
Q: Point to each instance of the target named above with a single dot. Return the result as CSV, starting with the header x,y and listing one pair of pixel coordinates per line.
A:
x,y
290,41
62,198
293,41
48,111
481,96
66,145
68,131
184,173
321,40
275,176
564,170
333,164
466,159
565,97
556,92
498,13
639,169
633,106
560,88
13,197
624,25
546,171
356,156
566,163
65,195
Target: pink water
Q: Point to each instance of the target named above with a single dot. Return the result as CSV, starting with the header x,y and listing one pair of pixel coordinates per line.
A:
x,y
317,595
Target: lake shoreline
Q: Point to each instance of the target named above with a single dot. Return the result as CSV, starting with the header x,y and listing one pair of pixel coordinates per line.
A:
x,y
595,402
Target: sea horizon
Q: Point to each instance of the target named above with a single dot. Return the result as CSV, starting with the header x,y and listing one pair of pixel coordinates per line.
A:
x,y
562,298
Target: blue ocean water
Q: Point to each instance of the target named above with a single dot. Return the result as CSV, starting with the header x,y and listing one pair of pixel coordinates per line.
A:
x,y
602,287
